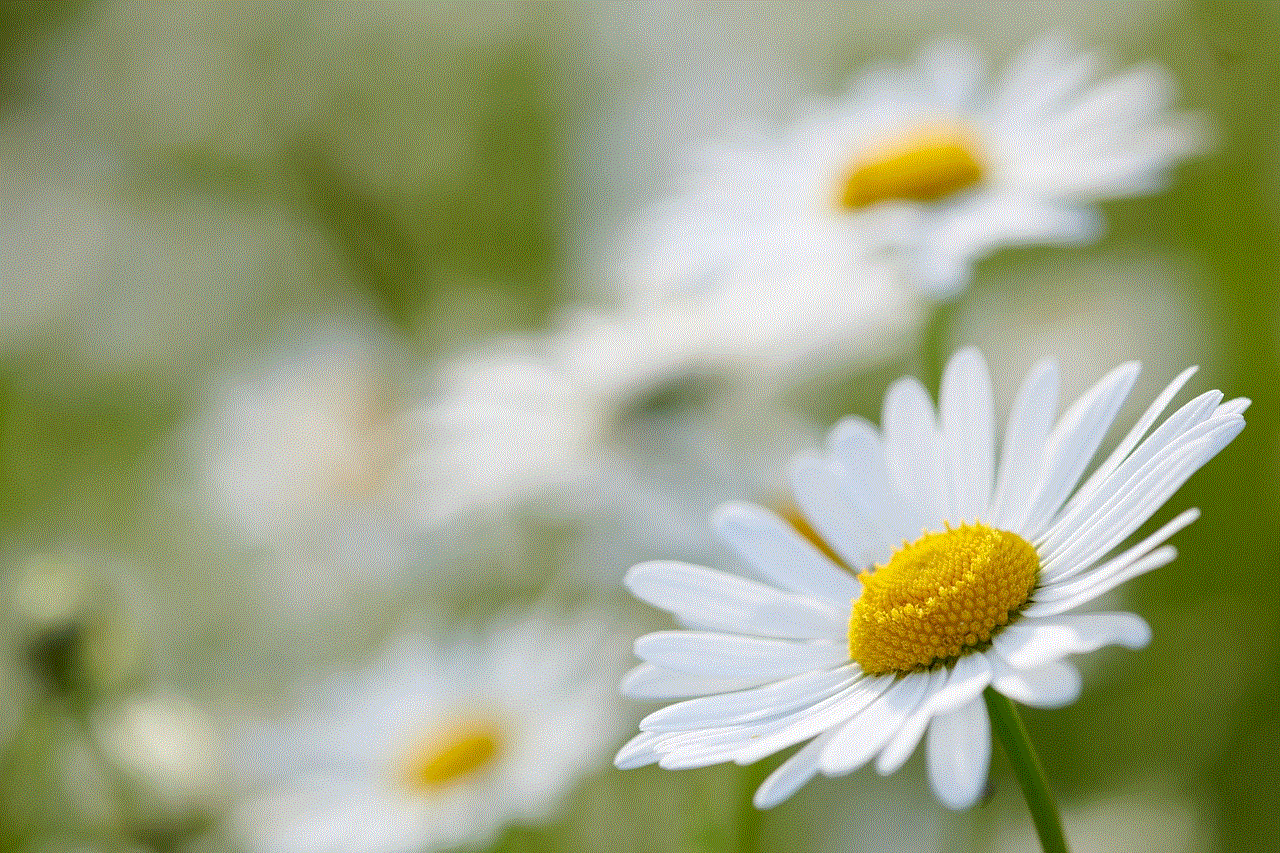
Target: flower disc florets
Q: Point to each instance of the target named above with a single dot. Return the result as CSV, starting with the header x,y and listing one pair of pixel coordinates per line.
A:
x,y
939,597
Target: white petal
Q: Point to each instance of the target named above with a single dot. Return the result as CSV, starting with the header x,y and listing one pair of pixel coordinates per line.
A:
x,y
1034,642
959,748
637,752
749,743
968,434
1177,430
1113,574
647,681
1130,441
856,446
913,448
859,739
1073,443
904,740
1067,581
710,654
1146,491
720,601
819,489
1050,685
779,553
967,678
748,706
1021,458
790,775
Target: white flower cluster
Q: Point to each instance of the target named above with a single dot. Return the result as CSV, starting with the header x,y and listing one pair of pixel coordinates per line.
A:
x,y
785,258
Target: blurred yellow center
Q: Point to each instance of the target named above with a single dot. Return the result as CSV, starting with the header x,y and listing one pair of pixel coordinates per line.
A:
x,y
940,597
925,164
446,757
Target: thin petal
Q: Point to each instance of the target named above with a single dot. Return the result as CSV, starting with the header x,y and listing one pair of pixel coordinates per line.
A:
x,y
749,706
710,654
779,553
1074,442
791,775
966,680
859,739
637,752
647,681
723,602
959,748
1033,642
913,448
1021,458
968,434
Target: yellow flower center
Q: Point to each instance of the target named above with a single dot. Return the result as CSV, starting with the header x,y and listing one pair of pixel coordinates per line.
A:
x,y
925,164
940,597
443,758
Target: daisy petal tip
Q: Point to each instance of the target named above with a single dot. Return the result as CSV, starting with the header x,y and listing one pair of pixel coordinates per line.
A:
x,y
765,800
734,515
1138,635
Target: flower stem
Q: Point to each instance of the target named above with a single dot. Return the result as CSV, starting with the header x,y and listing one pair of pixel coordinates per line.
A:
x,y
1013,738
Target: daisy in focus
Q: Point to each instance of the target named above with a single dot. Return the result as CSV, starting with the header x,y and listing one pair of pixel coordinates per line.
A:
x,y
433,747
935,162
957,571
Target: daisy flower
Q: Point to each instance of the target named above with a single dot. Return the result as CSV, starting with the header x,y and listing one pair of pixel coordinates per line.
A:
x,y
436,746
525,419
298,458
967,573
934,162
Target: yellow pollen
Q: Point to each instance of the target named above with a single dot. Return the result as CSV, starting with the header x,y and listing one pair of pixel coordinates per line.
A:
x,y
925,164
443,758
940,597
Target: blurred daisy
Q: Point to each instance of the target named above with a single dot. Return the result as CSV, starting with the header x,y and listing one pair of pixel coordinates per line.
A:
x,y
933,161
297,457
983,597
435,747
560,415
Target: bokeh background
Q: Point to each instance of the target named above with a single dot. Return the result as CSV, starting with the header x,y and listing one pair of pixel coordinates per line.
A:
x,y
188,188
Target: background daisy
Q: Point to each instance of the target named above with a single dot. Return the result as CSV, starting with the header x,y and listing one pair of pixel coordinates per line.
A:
x,y
933,161
435,746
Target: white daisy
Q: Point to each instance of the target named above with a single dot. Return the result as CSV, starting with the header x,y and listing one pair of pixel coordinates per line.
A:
x,y
984,597
526,419
297,457
933,161
434,747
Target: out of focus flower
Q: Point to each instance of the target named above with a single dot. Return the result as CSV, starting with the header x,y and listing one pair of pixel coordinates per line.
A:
x,y
560,415
166,748
932,162
684,470
983,598
434,747
297,456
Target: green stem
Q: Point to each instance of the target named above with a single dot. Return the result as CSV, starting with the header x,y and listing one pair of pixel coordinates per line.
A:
x,y
1013,738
